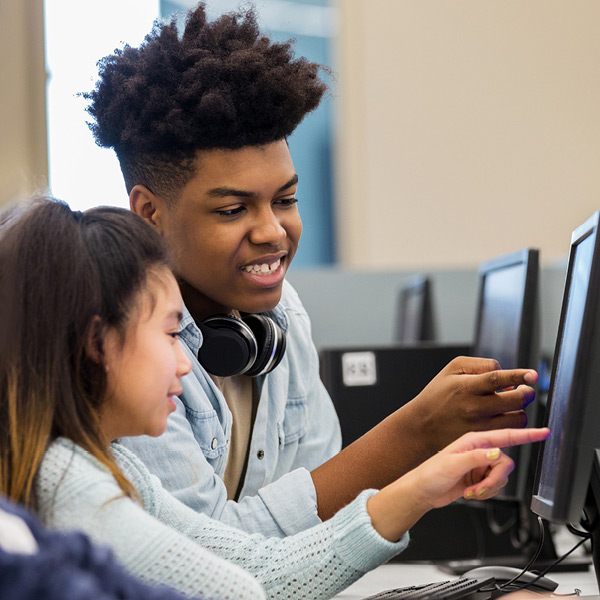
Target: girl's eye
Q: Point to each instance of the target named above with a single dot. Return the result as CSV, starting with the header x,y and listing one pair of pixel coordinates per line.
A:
x,y
174,334
231,212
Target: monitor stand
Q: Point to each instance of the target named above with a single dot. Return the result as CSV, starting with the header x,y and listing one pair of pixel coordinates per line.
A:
x,y
459,567
459,537
547,557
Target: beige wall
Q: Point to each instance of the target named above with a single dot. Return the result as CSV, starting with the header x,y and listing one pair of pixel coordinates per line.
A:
x,y
23,161
466,129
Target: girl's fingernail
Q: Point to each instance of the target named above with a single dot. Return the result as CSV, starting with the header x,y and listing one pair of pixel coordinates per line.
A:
x,y
483,492
493,453
470,494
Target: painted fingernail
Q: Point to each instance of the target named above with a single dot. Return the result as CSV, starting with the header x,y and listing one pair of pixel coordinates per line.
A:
x,y
470,494
482,492
492,453
529,399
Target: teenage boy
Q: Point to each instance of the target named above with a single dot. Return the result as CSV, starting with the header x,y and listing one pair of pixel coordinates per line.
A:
x,y
200,123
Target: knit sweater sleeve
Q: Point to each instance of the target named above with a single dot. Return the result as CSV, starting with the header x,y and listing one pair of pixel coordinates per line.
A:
x,y
171,544
314,564
76,493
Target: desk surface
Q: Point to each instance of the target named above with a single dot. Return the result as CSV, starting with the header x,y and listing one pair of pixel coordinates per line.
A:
x,y
400,575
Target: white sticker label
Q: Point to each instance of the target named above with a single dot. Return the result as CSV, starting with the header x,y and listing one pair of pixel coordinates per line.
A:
x,y
359,368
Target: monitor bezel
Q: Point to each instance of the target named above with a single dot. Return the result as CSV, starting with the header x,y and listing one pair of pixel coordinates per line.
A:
x,y
580,426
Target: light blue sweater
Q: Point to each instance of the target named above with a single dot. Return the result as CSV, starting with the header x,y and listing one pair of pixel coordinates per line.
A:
x,y
166,542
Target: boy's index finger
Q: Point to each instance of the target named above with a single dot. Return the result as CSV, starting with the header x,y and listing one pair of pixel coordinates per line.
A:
x,y
472,365
494,381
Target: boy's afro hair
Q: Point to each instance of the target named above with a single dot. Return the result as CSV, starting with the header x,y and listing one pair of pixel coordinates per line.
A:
x,y
221,85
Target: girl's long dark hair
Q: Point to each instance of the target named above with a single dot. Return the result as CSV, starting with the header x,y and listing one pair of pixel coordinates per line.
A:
x,y
59,271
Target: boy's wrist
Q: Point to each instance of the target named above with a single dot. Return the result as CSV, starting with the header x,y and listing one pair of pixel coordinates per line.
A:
x,y
413,432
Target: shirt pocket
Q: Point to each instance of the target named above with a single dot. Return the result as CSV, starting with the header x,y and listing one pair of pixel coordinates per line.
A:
x,y
208,432
294,423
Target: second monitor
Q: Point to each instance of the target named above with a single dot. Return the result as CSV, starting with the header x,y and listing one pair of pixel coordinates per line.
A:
x,y
367,384
507,329
415,318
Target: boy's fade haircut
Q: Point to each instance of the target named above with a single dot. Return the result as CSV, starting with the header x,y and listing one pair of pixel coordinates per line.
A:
x,y
221,84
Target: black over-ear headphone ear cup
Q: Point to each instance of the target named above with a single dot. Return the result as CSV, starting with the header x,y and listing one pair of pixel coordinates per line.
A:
x,y
270,340
229,346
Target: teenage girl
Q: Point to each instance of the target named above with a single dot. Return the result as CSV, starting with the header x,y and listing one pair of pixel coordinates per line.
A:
x,y
90,353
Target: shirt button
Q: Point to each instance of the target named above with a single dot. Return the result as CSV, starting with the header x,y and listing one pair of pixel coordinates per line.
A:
x,y
260,454
213,444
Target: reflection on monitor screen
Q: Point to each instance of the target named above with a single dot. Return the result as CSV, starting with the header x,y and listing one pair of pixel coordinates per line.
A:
x,y
500,319
412,316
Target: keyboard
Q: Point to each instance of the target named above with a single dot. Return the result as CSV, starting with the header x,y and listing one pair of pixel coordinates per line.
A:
x,y
454,589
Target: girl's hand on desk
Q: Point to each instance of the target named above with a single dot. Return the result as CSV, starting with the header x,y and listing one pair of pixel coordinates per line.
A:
x,y
472,467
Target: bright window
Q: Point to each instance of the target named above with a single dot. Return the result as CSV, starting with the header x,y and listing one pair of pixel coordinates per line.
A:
x,y
78,34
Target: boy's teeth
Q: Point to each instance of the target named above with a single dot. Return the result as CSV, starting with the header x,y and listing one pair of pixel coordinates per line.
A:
x,y
264,268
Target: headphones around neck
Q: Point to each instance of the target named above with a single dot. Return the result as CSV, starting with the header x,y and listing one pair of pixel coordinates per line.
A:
x,y
251,345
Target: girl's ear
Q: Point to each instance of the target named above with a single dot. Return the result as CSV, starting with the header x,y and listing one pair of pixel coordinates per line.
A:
x,y
93,342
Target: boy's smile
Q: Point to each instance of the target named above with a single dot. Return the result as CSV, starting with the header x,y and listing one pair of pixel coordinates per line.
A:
x,y
234,229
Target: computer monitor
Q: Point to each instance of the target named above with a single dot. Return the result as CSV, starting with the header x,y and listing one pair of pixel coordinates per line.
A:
x,y
567,476
415,321
507,309
507,329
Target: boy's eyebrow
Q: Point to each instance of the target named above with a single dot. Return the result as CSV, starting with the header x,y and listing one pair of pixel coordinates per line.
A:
x,y
289,184
224,192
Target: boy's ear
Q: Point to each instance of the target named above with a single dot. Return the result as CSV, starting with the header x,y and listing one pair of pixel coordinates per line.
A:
x,y
146,204
93,341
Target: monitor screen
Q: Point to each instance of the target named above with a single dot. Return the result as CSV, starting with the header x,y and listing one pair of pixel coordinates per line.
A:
x,y
565,465
506,329
415,320
507,311
502,305
412,317
565,365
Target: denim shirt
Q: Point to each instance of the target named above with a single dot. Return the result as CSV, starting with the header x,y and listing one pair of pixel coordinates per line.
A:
x,y
296,429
